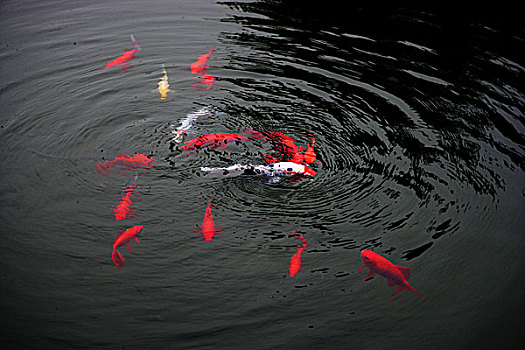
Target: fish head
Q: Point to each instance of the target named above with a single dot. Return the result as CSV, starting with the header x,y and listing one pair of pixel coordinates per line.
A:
x,y
369,257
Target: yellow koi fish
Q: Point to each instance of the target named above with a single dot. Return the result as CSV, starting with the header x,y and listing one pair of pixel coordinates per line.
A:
x,y
164,87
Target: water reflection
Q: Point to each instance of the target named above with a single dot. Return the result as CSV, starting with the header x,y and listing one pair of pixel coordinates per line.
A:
x,y
397,106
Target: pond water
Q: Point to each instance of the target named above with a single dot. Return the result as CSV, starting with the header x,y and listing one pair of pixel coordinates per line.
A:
x,y
418,118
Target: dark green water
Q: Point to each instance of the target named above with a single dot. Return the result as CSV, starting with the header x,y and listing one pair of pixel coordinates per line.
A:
x,y
418,116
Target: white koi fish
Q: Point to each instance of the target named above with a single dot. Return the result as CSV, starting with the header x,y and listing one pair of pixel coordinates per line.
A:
x,y
164,86
187,122
275,169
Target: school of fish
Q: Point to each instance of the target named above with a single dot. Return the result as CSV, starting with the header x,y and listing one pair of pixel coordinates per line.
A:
x,y
286,159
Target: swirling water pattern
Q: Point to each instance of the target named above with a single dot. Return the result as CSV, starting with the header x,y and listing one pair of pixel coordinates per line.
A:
x,y
418,121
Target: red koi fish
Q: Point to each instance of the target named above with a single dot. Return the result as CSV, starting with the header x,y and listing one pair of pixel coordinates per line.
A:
x,y
125,206
199,67
126,56
309,154
201,64
295,261
213,140
208,230
131,162
395,275
123,238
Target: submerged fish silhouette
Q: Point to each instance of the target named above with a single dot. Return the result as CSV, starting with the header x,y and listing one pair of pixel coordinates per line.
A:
x,y
124,208
187,122
395,275
212,140
131,162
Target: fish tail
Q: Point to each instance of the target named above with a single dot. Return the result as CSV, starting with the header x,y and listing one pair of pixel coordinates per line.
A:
x,y
137,47
118,259
415,291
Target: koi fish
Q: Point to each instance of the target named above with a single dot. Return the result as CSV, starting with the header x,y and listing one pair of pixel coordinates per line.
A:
x,y
201,64
208,230
187,122
199,67
125,206
123,238
164,86
275,169
309,154
126,56
131,162
295,261
213,140
395,275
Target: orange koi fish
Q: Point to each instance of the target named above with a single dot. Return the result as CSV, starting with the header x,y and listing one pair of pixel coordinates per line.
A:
x,y
213,140
126,56
309,154
199,67
295,261
395,275
131,162
125,206
123,238
201,64
208,230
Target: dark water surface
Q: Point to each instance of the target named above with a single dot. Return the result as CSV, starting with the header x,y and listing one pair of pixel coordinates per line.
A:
x,y
418,117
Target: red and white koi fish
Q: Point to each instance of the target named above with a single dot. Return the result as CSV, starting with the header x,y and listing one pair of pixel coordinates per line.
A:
x,y
123,238
208,229
126,56
213,140
395,275
275,169
295,261
124,209
309,154
199,67
163,85
187,122
131,162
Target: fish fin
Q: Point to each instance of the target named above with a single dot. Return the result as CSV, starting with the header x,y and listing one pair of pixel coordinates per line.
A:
x,y
390,282
370,275
118,259
218,230
198,229
136,239
399,289
361,268
405,271
415,291
129,248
